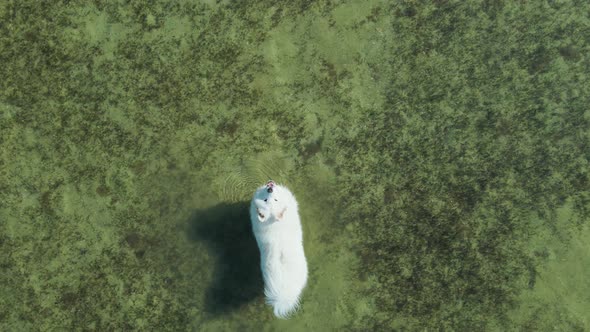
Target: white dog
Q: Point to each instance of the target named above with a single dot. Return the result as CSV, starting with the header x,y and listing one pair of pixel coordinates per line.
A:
x,y
277,228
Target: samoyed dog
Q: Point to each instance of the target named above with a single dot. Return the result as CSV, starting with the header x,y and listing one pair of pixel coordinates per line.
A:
x,y
277,228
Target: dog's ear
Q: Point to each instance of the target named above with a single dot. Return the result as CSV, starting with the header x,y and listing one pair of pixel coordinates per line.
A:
x,y
280,216
261,217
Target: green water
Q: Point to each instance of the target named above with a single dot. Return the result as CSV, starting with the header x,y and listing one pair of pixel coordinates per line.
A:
x,y
438,150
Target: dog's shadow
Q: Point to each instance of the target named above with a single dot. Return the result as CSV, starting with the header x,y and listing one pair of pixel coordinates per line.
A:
x,y
226,230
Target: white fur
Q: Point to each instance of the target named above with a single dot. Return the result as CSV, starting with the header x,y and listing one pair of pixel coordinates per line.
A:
x,y
280,240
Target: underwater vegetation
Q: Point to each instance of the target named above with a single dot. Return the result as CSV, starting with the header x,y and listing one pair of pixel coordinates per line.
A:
x,y
439,152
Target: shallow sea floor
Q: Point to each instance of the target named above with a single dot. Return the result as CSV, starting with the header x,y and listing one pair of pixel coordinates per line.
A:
x,y
438,150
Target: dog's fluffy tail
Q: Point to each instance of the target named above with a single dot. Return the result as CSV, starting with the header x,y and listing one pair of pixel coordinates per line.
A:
x,y
284,285
283,307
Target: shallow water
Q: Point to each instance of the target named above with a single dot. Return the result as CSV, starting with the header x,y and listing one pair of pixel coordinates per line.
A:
x,y
439,153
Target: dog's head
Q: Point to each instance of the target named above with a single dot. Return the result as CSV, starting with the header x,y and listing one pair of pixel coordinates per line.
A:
x,y
271,202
